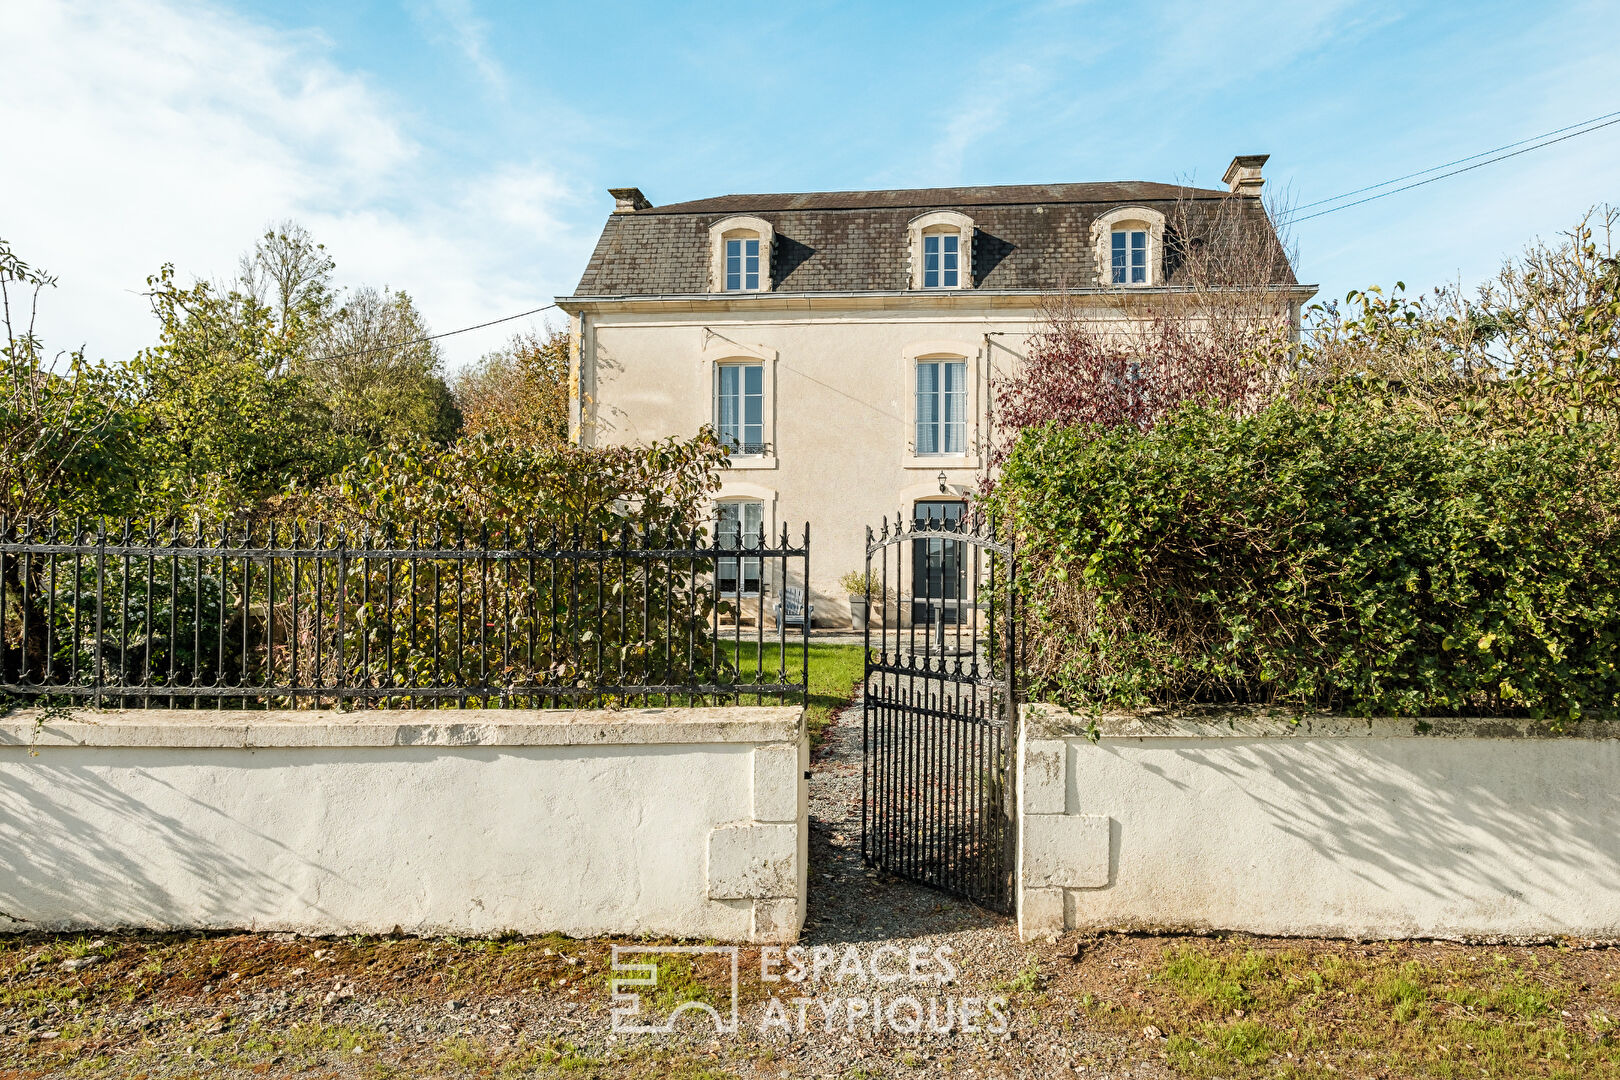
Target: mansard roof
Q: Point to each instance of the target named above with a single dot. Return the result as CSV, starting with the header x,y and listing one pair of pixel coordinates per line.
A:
x,y
1028,236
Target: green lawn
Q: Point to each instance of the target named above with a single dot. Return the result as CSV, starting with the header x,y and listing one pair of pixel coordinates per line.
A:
x,y
834,672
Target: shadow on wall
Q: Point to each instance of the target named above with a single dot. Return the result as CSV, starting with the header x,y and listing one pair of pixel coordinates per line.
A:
x,y
989,252
790,254
433,838
602,419
1477,825
62,861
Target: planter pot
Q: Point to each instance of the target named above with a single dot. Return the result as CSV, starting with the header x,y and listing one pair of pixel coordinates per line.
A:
x,y
857,612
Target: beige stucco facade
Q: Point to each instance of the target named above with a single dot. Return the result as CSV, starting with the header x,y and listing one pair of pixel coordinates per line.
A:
x,y
839,402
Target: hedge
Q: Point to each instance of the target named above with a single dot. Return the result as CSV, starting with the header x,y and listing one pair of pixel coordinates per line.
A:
x,y
1347,558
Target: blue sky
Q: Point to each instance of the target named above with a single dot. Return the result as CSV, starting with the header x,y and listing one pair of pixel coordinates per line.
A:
x,y
461,149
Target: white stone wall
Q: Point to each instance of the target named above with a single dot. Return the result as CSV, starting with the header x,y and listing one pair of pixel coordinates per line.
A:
x,y
1334,827
681,822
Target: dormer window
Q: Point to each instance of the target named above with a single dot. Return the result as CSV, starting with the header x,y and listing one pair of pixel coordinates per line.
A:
x,y
941,245
740,255
1128,244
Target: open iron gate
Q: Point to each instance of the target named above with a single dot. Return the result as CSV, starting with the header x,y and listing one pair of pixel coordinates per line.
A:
x,y
940,716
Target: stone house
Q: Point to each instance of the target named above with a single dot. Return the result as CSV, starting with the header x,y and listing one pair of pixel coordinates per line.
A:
x,y
846,344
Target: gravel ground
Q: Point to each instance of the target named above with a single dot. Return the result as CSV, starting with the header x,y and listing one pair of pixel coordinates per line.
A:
x,y
164,1006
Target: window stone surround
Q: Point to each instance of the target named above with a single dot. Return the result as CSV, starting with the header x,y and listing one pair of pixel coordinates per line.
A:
x,y
1102,234
726,228
940,221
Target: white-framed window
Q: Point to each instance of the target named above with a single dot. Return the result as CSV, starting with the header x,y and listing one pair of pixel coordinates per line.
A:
x,y
1128,244
941,407
1129,257
739,526
739,406
942,259
740,255
940,246
742,264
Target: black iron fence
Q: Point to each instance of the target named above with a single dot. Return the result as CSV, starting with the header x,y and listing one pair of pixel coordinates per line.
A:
x,y
148,614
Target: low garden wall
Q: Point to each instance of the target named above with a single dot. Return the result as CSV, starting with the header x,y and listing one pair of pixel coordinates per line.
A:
x,y
1334,827
677,822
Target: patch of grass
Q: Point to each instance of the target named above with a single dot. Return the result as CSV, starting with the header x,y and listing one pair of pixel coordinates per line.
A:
x,y
463,1053
679,982
834,671
1027,981
1238,1012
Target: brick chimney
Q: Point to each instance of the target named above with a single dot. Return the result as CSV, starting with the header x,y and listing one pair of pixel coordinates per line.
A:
x,y
1243,175
627,199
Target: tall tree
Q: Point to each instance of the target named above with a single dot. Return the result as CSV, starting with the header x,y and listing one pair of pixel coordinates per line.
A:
x,y
291,275
379,381
519,391
232,422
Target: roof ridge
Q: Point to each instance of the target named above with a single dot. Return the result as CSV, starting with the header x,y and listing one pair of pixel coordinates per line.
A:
x,y
974,195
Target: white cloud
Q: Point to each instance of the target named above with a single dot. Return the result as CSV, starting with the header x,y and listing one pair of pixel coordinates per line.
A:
x,y
470,36
150,132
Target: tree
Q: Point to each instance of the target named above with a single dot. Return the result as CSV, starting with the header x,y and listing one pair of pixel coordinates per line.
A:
x,y
519,391
69,439
291,274
1539,344
231,422
379,381
69,446
1218,335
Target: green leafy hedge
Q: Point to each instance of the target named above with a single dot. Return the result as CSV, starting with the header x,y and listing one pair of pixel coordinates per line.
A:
x,y
1345,557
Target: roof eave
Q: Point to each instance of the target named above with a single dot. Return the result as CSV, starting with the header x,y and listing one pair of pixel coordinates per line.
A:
x,y
913,299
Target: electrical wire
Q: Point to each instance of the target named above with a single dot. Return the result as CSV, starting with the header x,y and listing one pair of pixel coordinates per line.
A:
x,y
1459,161
1294,218
430,337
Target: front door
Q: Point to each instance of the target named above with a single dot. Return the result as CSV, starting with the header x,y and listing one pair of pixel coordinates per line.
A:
x,y
937,566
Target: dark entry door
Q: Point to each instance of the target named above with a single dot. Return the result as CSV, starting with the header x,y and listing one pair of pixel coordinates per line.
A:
x,y
938,569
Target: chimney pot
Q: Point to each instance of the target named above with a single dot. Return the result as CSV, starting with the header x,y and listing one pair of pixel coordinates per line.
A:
x,y
628,199
1243,175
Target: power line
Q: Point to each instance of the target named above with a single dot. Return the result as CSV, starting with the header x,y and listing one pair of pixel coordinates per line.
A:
x,y
1292,219
430,337
1449,164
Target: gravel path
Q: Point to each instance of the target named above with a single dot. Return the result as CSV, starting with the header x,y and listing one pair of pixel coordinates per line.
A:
x,y
850,904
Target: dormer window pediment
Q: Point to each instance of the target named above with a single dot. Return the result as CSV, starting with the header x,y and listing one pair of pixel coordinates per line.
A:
x,y
740,255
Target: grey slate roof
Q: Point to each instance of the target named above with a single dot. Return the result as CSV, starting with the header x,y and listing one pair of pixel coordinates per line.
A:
x,y
1034,236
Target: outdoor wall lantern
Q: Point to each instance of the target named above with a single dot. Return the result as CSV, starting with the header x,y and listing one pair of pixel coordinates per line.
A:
x,y
942,481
